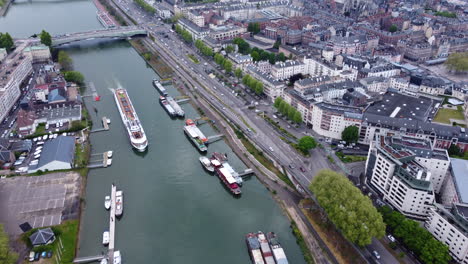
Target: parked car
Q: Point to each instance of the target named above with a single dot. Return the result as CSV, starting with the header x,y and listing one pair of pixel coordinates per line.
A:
x,y
302,169
376,254
31,256
391,238
291,166
49,254
44,254
37,256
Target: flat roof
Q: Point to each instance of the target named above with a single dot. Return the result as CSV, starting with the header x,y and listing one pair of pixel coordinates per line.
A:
x,y
460,176
403,106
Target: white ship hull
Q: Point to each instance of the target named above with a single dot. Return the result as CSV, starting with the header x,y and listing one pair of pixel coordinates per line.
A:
x,y
140,144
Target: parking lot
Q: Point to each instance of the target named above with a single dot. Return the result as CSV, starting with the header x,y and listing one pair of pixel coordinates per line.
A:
x,y
39,200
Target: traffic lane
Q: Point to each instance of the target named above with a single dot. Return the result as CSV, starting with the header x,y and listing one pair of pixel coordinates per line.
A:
x,y
385,256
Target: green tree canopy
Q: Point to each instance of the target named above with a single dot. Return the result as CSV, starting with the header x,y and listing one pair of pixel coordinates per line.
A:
x,y
46,39
277,44
230,49
297,118
243,46
7,255
227,65
74,76
282,108
458,62
415,238
255,55
306,143
277,102
350,134
6,41
393,28
238,72
253,27
65,61
347,208
258,87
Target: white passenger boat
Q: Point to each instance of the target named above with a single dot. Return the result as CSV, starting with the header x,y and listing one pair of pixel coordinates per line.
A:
x,y
105,238
107,202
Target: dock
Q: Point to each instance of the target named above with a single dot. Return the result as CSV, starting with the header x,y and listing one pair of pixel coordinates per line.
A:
x,y
215,138
100,163
94,93
112,226
89,259
105,126
246,173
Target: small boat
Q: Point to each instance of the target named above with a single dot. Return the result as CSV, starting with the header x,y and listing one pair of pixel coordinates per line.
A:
x,y
206,162
103,261
117,257
109,154
105,238
118,203
109,162
108,121
107,202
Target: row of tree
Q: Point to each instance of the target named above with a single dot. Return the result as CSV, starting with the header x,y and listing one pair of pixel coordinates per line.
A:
x,y
223,62
184,33
204,49
146,6
415,238
6,41
347,208
288,110
254,84
258,54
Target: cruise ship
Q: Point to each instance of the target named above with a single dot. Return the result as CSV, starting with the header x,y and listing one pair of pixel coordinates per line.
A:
x,y
130,120
157,84
195,135
225,176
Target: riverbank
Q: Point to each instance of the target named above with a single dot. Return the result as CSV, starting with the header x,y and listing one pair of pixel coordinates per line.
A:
x,y
4,7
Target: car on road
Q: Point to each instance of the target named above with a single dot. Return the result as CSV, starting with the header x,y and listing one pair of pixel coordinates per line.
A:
x,y
391,238
302,169
376,254
271,149
291,166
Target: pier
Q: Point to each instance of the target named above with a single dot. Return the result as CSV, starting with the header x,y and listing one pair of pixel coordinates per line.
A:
x,y
105,126
215,138
94,93
89,259
184,100
246,173
112,226
100,163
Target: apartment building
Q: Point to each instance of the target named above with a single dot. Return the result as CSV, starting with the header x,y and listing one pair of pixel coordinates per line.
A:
x,y
272,88
399,178
375,84
317,67
40,53
16,67
196,31
434,85
284,70
450,226
226,32
330,120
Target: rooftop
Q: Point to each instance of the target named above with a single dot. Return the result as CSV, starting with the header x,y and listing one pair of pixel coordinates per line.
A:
x,y
397,105
460,177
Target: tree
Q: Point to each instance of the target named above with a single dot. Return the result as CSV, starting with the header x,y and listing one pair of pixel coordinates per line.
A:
x,y
46,39
306,143
227,65
271,58
258,87
277,102
277,44
347,208
219,59
291,112
246,79
238,72
65,61
454,150
242,45
457,62
280,57
350,134
415,238
253,27
230,49
7,256
6,41
393,28
255,56
74,76
297,118
282,107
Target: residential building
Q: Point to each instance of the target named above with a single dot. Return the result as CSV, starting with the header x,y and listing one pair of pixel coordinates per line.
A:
x,y
450,226
240,60
330,120
15,69
434,85
226,32
376,84
284,70
196,31
454,189
40,53
272,88
399,178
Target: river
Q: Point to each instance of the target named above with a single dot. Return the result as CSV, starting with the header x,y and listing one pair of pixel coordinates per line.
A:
x,y
174,212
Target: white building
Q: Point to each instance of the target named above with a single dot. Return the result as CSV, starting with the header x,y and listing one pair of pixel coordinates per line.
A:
x,y
271,87
375,84
40,53
330,120
316,67
450,226
284,70
399,178
240,60
15,69
399,84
